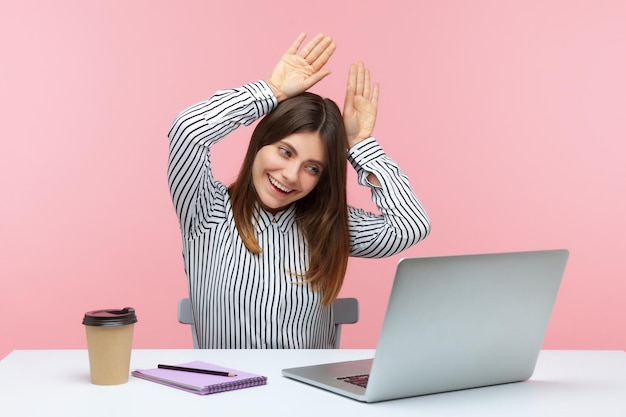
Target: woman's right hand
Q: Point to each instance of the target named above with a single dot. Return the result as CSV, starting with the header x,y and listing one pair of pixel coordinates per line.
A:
x,y
296,71
361,104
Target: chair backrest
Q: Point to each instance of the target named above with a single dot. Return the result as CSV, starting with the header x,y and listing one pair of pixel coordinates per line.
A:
x,y
346,311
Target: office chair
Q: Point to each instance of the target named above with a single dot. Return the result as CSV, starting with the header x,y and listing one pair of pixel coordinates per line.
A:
x,y
346,311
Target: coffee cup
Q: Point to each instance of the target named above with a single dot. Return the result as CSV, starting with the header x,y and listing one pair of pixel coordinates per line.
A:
x,y
109,344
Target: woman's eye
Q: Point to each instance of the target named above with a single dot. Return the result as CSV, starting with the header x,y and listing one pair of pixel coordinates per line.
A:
x,y
314,170
284,151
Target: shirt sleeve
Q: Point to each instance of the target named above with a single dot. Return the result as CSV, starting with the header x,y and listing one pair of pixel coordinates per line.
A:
x,y
194,131
402,221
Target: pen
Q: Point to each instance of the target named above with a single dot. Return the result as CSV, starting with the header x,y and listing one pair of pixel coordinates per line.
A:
x,y
196,370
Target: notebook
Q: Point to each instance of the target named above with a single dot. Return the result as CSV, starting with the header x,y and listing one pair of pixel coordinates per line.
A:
x,y
198,383
452,323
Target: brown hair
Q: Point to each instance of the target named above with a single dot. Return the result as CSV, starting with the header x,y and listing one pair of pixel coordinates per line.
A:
x,y
322,215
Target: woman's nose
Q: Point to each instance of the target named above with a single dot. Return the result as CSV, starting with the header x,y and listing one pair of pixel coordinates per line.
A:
x,y
290,172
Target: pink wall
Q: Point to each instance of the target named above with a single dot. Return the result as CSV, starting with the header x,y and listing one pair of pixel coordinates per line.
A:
x,y
507,116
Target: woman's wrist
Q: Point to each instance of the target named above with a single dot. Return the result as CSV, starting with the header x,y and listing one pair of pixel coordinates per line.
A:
x,y
353,142
277,92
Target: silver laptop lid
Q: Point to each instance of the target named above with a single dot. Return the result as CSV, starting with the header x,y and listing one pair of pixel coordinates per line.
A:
x,y
456,322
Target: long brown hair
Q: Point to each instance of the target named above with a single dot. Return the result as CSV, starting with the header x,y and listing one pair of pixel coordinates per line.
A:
x,y
322,215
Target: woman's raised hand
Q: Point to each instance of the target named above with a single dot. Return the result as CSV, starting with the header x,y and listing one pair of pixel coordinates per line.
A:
x,y
361,104
296,71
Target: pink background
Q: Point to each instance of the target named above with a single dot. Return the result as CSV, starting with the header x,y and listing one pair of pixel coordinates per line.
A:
x,y
508,117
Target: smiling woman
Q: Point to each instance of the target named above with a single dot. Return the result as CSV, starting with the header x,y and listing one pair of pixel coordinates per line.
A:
x,y
288,170
266,256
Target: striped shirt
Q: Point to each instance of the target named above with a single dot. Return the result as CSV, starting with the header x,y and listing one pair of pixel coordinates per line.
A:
x,y
245,300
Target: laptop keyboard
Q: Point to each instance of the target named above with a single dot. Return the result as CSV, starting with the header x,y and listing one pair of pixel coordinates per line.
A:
x,y
360,380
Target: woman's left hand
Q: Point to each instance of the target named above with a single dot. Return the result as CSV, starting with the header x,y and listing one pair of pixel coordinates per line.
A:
x,y
360,105
297,71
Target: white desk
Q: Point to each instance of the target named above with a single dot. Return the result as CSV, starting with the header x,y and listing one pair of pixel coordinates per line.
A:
x,y
56,383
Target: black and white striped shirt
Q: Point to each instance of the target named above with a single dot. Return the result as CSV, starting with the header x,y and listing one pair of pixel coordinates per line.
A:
x,y
243,300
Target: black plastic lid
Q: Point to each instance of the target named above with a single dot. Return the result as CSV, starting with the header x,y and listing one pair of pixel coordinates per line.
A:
x,y
110,317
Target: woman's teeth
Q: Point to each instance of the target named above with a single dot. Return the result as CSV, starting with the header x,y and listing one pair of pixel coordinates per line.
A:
x,y
279,186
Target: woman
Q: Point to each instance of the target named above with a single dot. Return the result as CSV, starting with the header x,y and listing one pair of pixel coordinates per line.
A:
x,y
266,256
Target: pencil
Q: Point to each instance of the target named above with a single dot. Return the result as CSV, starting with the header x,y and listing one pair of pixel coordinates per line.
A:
x,y
196,370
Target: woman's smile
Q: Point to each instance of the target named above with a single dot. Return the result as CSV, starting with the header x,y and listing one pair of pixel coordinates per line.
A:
x,y
278,185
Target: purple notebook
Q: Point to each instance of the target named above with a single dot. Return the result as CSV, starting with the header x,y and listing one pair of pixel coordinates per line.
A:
x,y
201,383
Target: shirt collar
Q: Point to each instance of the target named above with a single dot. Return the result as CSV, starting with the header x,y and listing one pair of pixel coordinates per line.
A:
x,y
284,220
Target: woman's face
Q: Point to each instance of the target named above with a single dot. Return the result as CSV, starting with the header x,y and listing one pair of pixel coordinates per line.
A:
x,y
287,170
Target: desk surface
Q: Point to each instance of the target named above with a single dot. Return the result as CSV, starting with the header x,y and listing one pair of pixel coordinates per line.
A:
x,y
56,382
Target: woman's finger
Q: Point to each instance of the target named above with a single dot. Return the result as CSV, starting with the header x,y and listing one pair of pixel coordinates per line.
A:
x,y
309,47
296,44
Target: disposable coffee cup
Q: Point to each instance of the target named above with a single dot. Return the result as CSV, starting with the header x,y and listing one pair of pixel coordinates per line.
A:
x,y
109,343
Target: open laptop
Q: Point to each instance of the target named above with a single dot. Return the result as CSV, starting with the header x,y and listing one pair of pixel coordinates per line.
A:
x,y
453,322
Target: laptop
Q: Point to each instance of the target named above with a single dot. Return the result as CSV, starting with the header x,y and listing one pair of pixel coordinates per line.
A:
x,y
452,323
